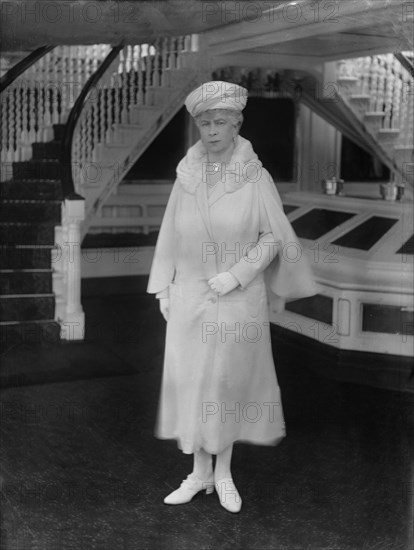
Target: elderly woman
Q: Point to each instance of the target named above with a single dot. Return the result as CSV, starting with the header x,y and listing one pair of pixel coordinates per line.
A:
x,y
223,250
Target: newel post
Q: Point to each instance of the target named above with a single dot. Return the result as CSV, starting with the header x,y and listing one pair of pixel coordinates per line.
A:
x,y
72,316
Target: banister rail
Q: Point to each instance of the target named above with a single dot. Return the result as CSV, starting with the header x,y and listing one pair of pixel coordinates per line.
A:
x,y
22,66
405,62
68,186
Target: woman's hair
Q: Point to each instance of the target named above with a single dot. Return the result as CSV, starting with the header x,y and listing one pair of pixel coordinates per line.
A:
x,y
235,117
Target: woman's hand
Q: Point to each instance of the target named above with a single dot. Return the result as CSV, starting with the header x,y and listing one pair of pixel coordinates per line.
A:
x,y
165,307
223,283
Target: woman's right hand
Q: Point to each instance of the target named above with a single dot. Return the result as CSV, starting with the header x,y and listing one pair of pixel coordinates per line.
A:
x,y
165,307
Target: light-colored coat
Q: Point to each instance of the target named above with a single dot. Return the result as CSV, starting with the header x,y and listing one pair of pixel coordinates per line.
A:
x,y
219,382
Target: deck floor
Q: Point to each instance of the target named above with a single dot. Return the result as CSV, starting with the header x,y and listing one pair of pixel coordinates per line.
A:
x,y
81,468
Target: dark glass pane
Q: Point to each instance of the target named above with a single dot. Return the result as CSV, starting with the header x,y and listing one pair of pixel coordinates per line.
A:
x,y
387,319
288,208
160,159
119,240
365,235
317,307
358,165
407,247
270,126
318,221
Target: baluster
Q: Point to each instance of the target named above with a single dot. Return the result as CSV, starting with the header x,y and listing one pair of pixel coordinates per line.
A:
x,y
365,73
140,69
124,87
194,42
396,98
101,114
148,70
373,83
32,115
14,123
180,63
90,131
164,60
187,43
54,87
388,95
404,114
171,53
117,99
156,78
356,67
410,113
109,135
129,76
11,123
4,149
22,121
380,92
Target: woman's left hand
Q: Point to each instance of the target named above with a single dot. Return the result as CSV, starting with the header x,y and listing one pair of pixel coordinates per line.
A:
x,y
223,283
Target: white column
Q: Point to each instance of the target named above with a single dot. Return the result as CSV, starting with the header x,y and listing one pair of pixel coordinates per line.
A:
x,y
73,322
320,150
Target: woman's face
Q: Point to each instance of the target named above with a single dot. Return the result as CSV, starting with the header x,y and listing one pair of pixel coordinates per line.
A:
x,y
216,131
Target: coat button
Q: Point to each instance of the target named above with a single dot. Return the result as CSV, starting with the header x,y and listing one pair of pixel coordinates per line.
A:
x,y
213,300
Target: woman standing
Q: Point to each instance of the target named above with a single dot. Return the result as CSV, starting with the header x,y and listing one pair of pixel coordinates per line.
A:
x,y
221,247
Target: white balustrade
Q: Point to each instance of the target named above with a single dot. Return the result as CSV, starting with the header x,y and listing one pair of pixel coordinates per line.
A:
x,y
390,89
42,96
130,82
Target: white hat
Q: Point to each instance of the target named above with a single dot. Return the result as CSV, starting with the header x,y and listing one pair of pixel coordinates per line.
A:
x,y
216,95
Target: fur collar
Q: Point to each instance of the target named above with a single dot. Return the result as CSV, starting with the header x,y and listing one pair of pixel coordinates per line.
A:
x,y
243,167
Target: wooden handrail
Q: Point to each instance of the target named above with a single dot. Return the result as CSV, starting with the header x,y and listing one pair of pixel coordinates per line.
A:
x,y
68,187
405,62
23,65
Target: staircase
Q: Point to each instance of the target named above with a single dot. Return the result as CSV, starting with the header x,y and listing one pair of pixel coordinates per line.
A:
x,y
42,225
30,208
379,92
371,101
138,93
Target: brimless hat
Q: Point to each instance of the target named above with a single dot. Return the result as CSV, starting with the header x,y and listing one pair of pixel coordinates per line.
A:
x,y
216,95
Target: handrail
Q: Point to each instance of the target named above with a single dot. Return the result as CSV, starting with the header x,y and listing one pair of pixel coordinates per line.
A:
x,y
405,62
23,65
68,186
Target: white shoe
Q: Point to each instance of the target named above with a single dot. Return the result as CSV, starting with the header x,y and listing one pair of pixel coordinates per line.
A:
x,y
228,495
188,488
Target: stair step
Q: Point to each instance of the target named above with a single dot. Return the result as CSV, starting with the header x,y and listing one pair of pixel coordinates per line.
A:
x,y
25,258
31,189
35,211
176,77
126,132
158,95
47,150
26,282
37,169
144,114
27,233
40,332
27,307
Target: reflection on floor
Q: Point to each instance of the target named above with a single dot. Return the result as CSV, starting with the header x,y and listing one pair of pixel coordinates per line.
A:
x,y
82,470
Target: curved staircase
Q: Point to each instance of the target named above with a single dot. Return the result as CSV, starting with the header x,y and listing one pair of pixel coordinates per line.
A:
x,y
139,91
30,208
42,224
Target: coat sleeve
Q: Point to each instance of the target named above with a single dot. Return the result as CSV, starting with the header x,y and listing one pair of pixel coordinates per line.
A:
x,y
282,257
163,264
260,255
